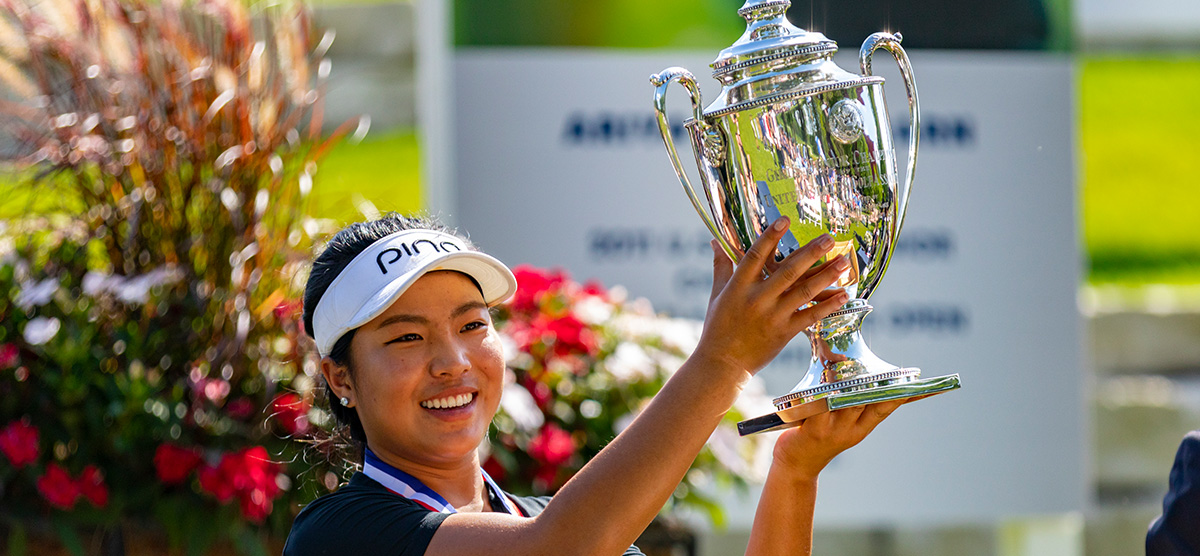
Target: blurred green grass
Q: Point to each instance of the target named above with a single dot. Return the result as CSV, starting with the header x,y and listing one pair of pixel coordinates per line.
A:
x,y
1139,144
382,169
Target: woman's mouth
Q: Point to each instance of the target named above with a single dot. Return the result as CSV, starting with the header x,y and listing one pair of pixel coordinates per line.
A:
x,y
449,402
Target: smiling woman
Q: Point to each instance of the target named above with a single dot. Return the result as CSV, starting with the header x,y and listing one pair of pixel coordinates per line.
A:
x,y
399,309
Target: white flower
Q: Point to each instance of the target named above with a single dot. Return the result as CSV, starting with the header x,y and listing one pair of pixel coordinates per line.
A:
x,y
593,310
133,290
681,334
668,363
95,283
754,401
629,362
519,404
36,295
727,447
8,247
635,326
509,347
41,330
621,423
136,289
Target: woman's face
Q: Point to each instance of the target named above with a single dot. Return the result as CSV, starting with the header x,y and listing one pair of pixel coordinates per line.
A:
x,y
428,372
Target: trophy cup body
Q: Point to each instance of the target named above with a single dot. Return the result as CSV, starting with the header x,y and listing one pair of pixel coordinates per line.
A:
x,y
794,135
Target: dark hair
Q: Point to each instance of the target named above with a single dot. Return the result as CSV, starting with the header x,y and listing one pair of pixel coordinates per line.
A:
x,y
338,252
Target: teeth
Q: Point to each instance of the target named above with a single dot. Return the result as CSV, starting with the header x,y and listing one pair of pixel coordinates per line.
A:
x,y
448,402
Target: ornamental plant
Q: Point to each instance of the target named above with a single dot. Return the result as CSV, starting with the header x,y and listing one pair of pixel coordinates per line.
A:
x,y
153,369
582,363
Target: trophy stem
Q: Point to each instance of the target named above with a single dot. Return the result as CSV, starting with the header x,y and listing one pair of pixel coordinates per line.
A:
x,y
844,373
839,355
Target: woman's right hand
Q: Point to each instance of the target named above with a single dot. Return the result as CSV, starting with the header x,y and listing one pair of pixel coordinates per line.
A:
x,y
751,318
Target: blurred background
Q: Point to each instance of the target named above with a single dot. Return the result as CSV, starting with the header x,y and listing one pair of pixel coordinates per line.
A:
x,y
1051,256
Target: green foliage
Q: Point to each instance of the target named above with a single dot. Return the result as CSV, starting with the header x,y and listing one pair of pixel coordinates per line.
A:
x,y
152,363
618,23
1139,180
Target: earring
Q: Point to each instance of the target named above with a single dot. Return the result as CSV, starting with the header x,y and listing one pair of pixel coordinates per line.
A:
x,y
345,401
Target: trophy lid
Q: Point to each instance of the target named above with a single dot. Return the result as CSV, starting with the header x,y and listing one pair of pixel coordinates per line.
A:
x,y
773,56
769,35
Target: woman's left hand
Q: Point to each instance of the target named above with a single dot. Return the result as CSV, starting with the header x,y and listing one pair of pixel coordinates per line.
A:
x,y
807,449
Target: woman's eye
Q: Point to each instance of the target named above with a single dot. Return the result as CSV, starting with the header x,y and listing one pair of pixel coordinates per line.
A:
x,y
405,338
474,326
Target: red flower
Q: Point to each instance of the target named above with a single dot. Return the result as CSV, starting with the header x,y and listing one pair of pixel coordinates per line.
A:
x,y
256,506
19,442
288,309
249,475
91,486
545,478
57,487
552,445
253,469
540,391
494,469
240,409
565,335
572,337
213,481
8,355
595,288
291,412
212,389
532,284
173,463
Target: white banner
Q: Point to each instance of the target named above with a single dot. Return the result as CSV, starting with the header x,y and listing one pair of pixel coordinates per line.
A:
x,y
559,163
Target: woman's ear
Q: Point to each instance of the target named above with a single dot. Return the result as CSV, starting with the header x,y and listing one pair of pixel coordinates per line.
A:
x,y
340,382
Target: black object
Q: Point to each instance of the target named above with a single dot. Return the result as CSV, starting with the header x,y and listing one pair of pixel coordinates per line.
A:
x,y
1177,531
977,24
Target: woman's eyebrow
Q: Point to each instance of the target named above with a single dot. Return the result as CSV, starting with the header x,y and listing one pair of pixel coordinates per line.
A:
x,y
469,306
418,319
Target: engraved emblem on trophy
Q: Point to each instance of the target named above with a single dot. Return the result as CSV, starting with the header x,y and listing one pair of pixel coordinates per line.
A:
x,y
794,135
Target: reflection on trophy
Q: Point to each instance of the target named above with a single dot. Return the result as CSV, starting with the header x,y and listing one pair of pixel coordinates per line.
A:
x,y
793,134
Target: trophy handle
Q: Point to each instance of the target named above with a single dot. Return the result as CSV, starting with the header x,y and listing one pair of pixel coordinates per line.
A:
x,y
661,81
891,43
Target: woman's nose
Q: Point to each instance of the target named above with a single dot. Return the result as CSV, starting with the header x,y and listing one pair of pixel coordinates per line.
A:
x,y
451,358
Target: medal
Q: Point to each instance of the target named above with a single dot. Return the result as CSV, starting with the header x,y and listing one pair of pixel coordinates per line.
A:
x,y
412,488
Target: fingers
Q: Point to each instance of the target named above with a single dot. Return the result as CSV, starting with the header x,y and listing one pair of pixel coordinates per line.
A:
x,y
750,268
798,266
822,277
722,270
874,414
809,316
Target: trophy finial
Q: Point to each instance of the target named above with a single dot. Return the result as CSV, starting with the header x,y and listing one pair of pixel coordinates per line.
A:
x,y
754,10
766,19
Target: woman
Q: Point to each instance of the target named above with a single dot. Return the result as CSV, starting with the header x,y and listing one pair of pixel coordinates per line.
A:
x,y
399,309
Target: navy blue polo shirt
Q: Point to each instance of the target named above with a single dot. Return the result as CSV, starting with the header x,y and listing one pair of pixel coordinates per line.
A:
x,y
364,517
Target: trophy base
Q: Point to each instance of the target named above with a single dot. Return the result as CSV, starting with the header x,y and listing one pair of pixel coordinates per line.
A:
x,y
900,389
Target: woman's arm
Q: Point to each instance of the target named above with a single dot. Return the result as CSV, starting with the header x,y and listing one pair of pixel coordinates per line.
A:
x,y
783,523
604,507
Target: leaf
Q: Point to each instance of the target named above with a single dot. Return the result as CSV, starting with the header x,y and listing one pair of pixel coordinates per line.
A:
x,y
249,544
18,540
69,538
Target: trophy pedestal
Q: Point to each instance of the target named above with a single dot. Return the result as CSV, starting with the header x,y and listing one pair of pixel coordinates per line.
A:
x,y
844,373
878,390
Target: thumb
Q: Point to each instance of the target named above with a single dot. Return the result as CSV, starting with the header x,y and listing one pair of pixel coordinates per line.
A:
x,y
722,270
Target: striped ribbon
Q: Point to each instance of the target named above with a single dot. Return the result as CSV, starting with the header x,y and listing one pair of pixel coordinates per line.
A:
x,y
412,488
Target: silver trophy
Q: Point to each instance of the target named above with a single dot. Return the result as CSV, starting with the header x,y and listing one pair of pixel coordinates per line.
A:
x,y
794,135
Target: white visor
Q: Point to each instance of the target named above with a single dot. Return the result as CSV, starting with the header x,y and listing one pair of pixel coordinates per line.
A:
x,y
379,275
